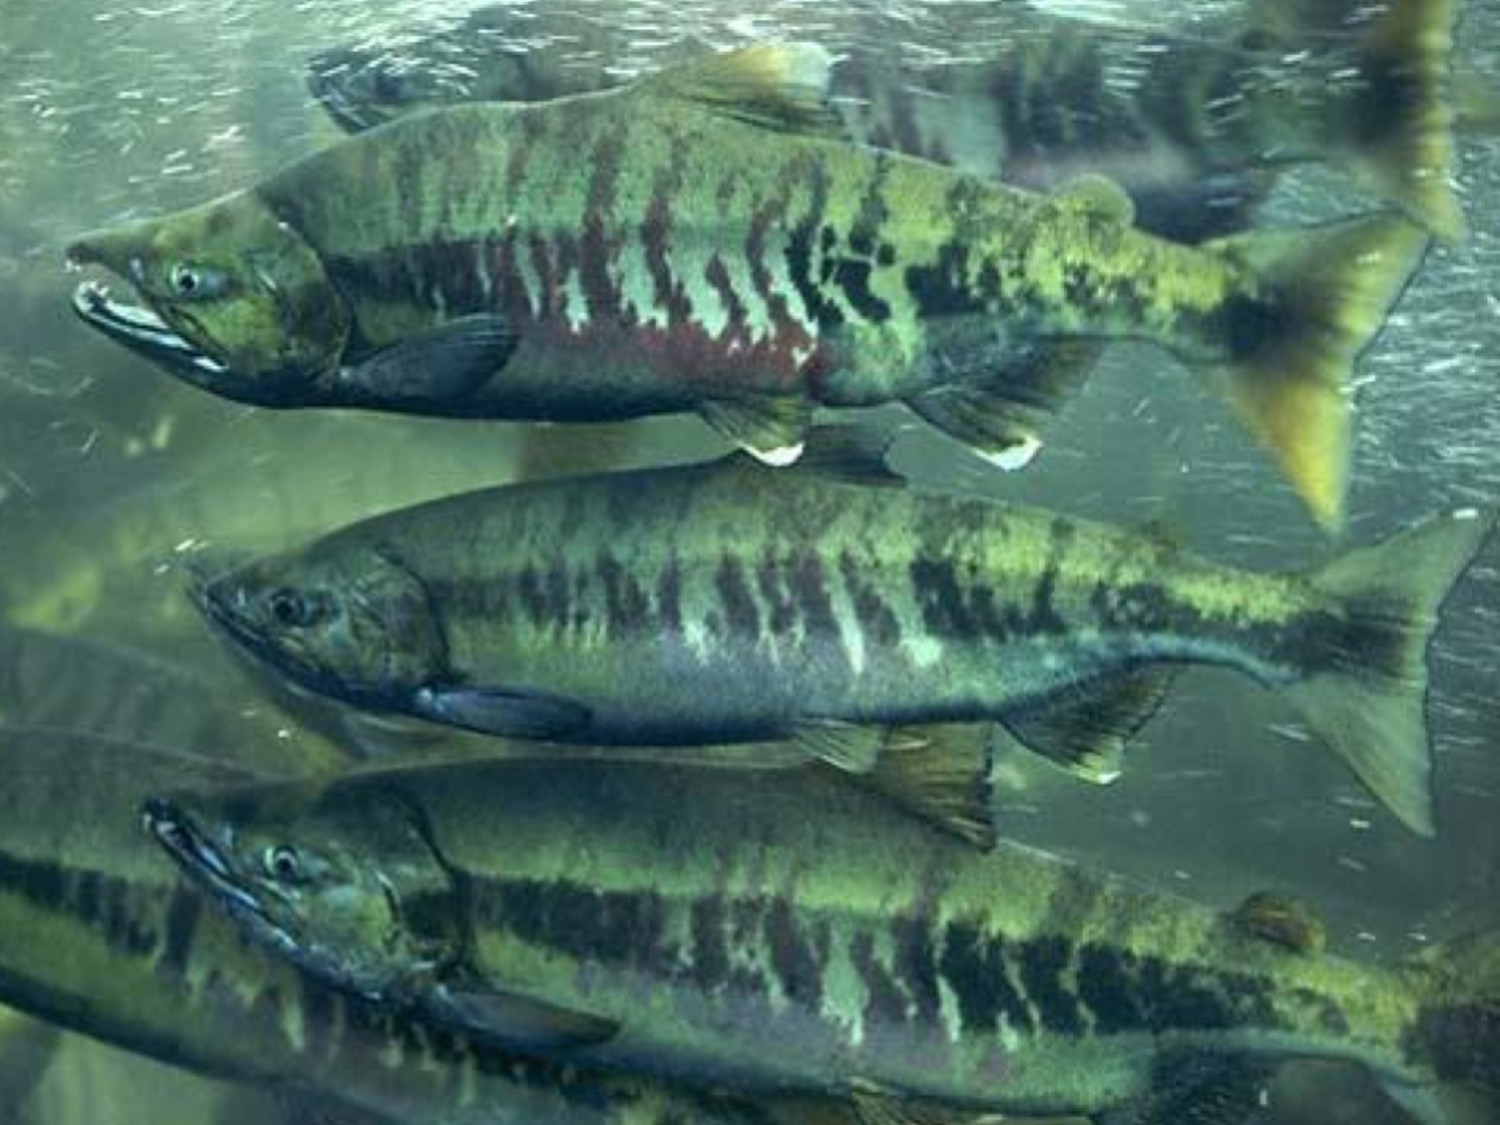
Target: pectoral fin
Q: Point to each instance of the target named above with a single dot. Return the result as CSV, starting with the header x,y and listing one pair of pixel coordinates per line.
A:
x,y
1002,416
440,367
521,1022
771,428
1086,730
506,712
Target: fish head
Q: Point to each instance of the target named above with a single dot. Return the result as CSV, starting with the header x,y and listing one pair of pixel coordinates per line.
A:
x,y
363,89
234,300
342,618
345,885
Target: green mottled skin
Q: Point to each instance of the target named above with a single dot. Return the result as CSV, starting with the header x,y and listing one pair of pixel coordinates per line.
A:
x,y
782,930
98,933
720,602
396,221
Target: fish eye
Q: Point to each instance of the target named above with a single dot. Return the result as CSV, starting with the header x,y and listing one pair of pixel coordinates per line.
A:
x,y
291,610
282,863
185,280
388,84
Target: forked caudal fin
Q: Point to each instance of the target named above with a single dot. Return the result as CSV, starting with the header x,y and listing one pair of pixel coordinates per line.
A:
x,y
1364,692
1405,119
1397,117
1323,296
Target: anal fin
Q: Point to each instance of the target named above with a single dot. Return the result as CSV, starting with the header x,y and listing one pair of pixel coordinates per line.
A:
x,y
1085,730
942,775
1001,417
771,428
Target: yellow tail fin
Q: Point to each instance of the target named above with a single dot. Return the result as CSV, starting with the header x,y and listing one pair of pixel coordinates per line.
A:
x,y
1324,296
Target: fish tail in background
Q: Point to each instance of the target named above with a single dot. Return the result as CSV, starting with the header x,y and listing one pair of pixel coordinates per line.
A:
x,y
1324,294
1366,688
1405,134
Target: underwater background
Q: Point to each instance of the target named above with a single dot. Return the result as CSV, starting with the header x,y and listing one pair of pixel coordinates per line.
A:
x,y
114,477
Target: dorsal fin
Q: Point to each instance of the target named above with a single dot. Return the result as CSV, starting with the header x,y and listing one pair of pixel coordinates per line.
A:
x,y
782,86
1095,194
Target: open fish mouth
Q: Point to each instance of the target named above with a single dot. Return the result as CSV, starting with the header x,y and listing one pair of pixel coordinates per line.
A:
x,y
206,864
198,855
142,331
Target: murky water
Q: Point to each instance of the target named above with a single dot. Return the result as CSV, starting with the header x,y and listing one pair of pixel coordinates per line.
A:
x,y
113,476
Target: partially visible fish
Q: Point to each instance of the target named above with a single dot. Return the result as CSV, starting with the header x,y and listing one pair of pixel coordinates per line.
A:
x,y
27,1048
779,931
722,602
100,934
1195,128
622,254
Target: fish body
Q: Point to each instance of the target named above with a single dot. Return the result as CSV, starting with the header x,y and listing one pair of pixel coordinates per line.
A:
x,y
703,242
99,933
1194,125
723,602
779,930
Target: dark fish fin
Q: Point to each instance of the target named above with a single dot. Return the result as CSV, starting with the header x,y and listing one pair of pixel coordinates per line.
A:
x,y
309,1109
442,366
521,1022
1093,194
1320,297
856,454
1198,1090
1086,729
942,774
781,86
1000,417
1365,693
1213,205
506,712
847,747
875,1106
771,428
1282,921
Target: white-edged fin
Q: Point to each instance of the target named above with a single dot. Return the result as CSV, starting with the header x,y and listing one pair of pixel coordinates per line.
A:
x,y
1086,729
505,712
782,86
1001,414
771,428
519,1021
942,775
847,747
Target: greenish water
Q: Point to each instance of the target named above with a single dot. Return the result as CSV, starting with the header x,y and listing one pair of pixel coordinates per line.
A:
x,y
112,475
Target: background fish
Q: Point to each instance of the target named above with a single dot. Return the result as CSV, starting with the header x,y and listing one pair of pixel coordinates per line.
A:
x,y
99,934
1194,124
664,274
723,602
778,931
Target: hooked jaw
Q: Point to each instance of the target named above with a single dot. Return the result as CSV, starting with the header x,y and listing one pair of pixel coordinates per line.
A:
x,y
136,327
204,862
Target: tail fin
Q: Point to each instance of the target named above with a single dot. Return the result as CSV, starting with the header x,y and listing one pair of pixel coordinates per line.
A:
x,y
1457,1029
1324,295
1365,689
1404,121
